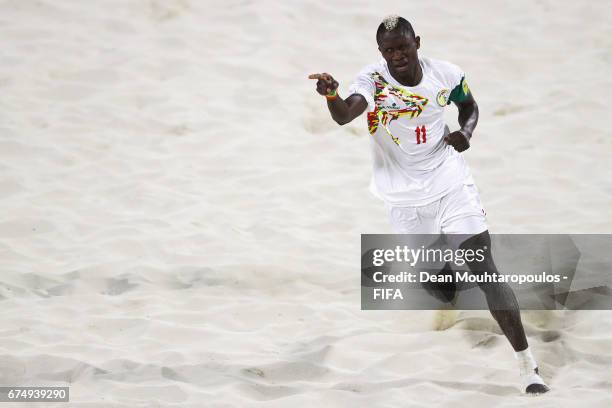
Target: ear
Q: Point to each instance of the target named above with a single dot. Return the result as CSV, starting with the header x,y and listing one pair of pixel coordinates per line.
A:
x,y
417,39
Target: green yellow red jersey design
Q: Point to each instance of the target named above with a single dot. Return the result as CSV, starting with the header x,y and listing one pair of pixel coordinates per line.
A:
x,y
384,113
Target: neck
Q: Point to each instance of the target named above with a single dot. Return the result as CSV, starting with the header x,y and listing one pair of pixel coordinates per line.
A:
x,y
411,77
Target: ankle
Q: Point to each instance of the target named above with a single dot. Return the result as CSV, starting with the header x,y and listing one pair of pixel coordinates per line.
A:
x,y
527,363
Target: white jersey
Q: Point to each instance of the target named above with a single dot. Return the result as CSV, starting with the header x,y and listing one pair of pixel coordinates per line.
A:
x,y
412,165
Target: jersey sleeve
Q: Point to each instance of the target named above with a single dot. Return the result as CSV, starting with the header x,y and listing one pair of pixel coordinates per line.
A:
x,y
457,83
459,92
364,85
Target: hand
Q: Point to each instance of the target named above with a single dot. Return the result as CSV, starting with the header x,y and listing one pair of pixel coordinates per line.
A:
x,y
459,140
326,84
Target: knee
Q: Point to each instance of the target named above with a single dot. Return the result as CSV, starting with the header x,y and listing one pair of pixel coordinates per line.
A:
x,y
481,245
477,241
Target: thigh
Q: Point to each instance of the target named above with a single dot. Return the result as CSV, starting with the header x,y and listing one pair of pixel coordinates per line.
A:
x,y
461,212
412,220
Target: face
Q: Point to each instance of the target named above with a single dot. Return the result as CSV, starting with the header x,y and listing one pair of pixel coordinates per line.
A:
x,y
399,49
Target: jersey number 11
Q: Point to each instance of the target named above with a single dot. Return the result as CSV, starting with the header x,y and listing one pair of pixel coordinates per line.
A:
x,y
421,134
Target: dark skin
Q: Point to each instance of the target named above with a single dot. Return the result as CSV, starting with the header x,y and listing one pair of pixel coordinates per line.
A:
x,y
400,50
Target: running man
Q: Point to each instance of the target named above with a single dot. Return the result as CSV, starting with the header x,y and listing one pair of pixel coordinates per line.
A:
x,y
418,169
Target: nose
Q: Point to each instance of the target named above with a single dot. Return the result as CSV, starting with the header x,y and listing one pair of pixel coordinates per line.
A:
x,y
397,55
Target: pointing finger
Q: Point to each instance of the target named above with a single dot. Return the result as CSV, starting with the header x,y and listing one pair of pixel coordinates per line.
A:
x,y
324,77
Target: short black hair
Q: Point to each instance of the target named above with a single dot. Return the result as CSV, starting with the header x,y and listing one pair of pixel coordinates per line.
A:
x,y
393,23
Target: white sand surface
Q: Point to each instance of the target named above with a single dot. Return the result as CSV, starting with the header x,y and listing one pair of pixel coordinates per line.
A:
x,y
180,218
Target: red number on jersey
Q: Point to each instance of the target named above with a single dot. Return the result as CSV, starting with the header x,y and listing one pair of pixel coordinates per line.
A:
x,y
421,134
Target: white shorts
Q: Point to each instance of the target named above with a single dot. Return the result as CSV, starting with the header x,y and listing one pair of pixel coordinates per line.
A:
x,y
458,212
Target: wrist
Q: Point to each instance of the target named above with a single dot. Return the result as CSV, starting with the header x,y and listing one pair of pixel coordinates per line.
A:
x,y
332,95
466,133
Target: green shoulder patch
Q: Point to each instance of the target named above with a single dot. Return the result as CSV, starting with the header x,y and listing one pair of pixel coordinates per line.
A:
x,y
460,92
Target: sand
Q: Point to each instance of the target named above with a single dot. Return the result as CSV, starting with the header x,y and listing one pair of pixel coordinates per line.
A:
x,y
180,218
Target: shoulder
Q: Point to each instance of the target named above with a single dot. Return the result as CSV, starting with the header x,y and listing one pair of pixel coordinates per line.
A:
x,y
365,84
441,67
445,71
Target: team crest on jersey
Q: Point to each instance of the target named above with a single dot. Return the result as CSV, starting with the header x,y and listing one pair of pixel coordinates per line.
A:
x,y
384,112
442,97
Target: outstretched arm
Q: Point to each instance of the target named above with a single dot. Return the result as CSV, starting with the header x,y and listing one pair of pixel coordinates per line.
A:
x,y
342,110
345,110
468,118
